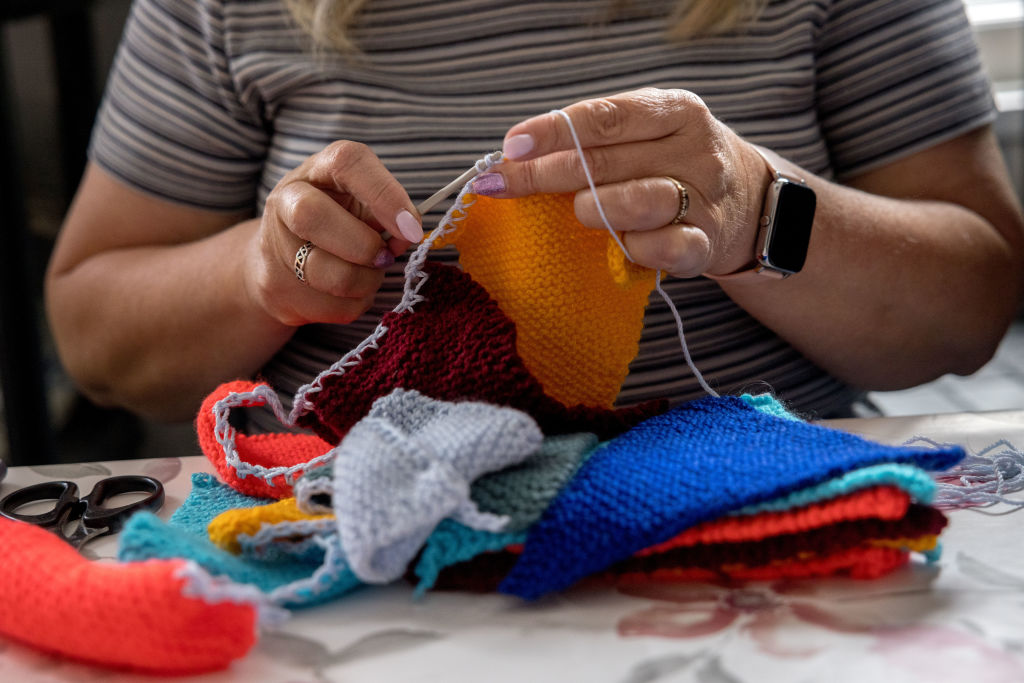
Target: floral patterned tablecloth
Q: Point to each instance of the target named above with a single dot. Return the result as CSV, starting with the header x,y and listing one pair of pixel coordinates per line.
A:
x,y
961,619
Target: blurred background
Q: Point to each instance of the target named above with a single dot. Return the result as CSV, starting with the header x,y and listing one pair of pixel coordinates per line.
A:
x,y
54,55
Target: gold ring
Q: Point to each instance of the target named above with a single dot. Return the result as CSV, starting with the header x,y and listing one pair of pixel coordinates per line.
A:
x,y
301,256
684,201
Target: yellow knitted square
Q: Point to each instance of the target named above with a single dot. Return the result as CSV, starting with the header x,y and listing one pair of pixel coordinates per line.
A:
x,y
576,301
226,527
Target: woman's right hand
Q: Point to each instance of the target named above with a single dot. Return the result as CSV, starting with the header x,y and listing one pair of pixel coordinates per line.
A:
x,y
340,200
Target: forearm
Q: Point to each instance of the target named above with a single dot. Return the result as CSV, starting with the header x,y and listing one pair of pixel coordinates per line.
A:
x,y
895,292
155,328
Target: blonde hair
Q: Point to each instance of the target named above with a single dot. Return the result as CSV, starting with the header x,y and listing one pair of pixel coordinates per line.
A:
x,y
327,22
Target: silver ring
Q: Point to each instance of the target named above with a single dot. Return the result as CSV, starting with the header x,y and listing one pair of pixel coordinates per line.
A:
x,y
301,256
684,201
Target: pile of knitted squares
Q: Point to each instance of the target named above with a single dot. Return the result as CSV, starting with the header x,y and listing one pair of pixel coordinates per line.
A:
x,y
472,496
474,442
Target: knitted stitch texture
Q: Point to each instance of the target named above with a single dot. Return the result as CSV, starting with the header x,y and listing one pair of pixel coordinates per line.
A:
x,y
267,450
920,521
457,345
282,580
313,490
146,536
226,527
861,562
538,262
452,543
917,483
520,492
485,572
882,502
409,464
207,499
134,615
653,482
873,560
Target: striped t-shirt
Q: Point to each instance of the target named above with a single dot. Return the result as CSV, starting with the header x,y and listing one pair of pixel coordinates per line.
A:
x,y
211,102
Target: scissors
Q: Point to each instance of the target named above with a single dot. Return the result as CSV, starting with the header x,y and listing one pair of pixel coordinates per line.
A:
x,y
94,519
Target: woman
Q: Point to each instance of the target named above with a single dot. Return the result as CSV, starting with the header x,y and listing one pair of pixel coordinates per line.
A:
x,y
233,132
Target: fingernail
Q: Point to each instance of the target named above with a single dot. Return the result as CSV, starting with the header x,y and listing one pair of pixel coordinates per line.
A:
x,y
383,259
409,226
489,183
517,146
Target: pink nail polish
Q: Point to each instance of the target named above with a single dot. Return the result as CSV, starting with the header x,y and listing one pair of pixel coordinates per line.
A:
x,y
409,226
517,146
489,184
383,259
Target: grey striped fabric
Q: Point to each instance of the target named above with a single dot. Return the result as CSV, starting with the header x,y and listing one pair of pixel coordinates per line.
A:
x,y
210,102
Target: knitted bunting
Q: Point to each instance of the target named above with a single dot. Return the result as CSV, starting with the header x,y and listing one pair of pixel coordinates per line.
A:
x,y
535,259
519,492
456,346
284,579
459,446
409,464
694,463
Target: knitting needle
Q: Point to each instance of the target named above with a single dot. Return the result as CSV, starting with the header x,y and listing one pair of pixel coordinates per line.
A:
x,y
439,196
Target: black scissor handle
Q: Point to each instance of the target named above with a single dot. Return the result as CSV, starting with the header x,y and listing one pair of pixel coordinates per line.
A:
x,y
65,493
112,519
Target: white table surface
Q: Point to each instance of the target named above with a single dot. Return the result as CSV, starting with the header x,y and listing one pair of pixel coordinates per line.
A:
x,y
959,620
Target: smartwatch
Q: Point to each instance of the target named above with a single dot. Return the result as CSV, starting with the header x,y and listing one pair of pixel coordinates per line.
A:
x,y
784,232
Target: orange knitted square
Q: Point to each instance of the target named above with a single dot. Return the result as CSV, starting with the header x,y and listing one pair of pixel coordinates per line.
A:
x,y
577,302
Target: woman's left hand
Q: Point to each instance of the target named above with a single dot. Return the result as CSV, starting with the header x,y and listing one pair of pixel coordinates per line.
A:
x,y
633,143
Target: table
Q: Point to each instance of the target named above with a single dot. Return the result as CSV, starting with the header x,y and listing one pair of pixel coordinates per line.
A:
x,y
959,620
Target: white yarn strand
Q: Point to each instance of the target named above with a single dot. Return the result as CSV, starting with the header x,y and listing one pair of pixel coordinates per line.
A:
x,y
615,236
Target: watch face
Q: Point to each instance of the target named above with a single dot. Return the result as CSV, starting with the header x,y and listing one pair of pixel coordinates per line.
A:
x,y
792,216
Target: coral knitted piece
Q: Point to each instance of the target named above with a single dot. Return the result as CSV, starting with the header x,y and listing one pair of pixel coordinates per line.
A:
x,y
881,502
536,260
226,527
409,464
920,521
694,463
141,616
457,345
267,450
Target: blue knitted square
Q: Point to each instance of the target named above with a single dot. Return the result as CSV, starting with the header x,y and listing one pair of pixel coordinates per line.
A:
x,y
694,463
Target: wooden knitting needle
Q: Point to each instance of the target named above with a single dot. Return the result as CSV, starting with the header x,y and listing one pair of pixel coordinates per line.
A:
x,y
439,196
